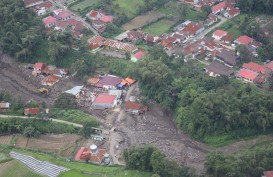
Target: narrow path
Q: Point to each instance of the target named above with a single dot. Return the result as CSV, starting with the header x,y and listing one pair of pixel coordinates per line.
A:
x,y
54,120
61,6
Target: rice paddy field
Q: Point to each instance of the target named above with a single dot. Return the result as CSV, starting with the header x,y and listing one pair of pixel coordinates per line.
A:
x,y
159,27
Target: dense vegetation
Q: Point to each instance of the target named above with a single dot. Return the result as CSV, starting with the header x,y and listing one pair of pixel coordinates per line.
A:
x,y
249,163
34,127
20,31
261,6
150,159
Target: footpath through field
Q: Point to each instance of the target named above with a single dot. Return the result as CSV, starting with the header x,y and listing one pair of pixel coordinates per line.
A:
x,y
53,120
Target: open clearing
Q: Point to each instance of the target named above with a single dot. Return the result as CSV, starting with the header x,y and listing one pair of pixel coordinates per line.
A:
x,y
15,168
5,139
83,4
128,7
159,27
142,20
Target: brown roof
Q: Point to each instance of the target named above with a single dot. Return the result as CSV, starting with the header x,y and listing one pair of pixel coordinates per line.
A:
x,y
132,105
31,111
93,80
218,68
228,57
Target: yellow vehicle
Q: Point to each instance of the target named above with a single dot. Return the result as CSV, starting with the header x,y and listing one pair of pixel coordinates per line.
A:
x,y
43,90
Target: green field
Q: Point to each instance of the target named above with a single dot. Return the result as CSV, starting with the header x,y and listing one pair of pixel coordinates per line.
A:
x,y
83,4
128,7
159,27
15,168
80,169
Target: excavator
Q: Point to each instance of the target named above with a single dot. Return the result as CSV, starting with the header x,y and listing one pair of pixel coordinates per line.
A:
x,y
43,90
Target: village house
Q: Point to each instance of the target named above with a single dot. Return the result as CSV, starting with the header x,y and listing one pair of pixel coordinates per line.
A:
x,y
133,36
228,57
95,43
212,18
180,37
107,19
269,66
152,40
216,9
126,82
192,50
167,43
137,56
93,80
194,28
245,40
121,46
42,9
109,82
31,111
98,25
94,15
219,34
62,15
77,91
32,3
105,101
232,12
216,69
49,21
121,37
39,67
246,75
135,107
256,68
117,93
50,80
4,106
227,39
92,154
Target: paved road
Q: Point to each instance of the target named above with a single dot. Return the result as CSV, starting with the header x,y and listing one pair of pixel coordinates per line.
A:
x,y
61,6
54,120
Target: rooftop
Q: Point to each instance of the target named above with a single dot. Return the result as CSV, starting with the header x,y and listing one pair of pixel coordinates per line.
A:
x,y
247,74
105,99
75,90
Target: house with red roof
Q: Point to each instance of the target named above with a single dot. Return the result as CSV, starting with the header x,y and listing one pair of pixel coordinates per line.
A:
x,y
227,39
137,56
4,106
134,35
98,25
232,12
194,28
94,15
64,15
105,101
216,9
92,154
245,40
32,3
49,21
109,82
247,75
168,42
212,18
39,67
255,67
219,34
135,107
50,80
152,40
107,19
267,174
269,65
31,111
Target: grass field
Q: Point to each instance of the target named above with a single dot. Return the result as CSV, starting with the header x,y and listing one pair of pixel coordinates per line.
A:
x,y
129,7
15,168
159,27
82,169
83,4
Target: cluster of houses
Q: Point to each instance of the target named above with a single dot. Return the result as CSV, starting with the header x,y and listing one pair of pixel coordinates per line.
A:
x,y
226,8
5,107
50,74
60,20
99,19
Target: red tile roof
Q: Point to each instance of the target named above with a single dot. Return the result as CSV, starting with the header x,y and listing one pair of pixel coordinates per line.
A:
x,y
96,40
120,45
219,33
233,11
244,40
227,37
268,173
84,153
94,13
168,42
64,14
109,80
49,20
193,28
218,7
31,111
247,74
255,67
105,99
139,54
270,65
129,80
39,65
132,105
